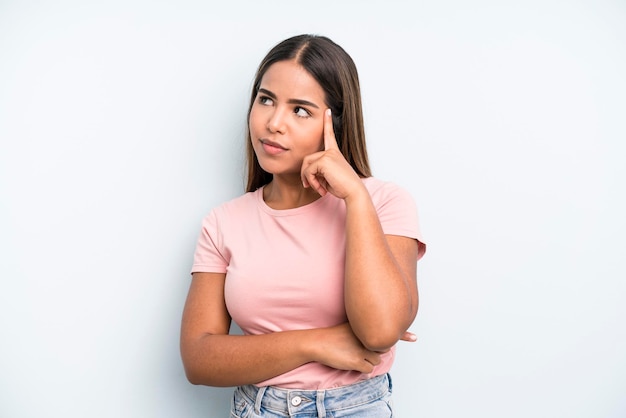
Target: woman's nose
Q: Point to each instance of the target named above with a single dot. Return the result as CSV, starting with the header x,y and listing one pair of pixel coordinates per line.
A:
x,y
276,122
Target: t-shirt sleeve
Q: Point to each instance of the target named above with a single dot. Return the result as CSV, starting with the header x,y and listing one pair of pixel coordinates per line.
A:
x,y
209,255
398,215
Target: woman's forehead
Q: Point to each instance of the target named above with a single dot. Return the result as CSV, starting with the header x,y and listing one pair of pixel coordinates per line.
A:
x,y
291,80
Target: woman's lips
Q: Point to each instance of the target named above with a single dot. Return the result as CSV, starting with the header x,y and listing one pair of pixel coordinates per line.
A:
x,y
272,148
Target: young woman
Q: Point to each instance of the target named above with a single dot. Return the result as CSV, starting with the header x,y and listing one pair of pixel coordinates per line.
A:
x,y
316,263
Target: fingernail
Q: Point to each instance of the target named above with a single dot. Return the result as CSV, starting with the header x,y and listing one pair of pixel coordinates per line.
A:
x,y
328,112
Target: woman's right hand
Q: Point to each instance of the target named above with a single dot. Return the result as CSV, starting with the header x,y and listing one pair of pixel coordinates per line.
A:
x,y
339,348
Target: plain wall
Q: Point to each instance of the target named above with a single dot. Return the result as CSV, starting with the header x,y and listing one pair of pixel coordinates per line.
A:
x,y
121,126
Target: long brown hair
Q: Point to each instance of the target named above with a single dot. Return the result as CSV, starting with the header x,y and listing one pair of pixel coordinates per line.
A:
x,y
336,73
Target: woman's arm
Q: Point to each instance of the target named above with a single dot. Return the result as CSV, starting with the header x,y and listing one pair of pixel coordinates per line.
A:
x,y
381,271
214,358
381,277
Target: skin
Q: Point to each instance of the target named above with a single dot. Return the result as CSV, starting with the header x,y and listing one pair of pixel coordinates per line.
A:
x,y
292,135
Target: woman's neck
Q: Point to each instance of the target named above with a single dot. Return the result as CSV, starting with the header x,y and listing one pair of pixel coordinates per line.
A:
x,y
283,193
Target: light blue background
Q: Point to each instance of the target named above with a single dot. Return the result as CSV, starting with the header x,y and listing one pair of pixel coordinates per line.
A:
x,y
121,125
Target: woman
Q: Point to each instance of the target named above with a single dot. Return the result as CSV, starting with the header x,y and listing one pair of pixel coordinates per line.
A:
x,y
316,263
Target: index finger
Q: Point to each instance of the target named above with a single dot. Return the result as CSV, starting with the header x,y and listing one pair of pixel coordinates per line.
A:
x,y
330,142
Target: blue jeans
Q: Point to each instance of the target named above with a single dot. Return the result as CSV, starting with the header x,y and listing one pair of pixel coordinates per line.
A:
x,y
367,399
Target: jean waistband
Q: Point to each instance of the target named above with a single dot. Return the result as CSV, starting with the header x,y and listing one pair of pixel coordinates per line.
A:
x,y
342,397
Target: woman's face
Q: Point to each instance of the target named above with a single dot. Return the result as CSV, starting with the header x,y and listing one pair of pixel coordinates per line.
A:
x,y
287,118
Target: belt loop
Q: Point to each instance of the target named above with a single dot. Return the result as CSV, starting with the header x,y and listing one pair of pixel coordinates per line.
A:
x,y
259,397
319,402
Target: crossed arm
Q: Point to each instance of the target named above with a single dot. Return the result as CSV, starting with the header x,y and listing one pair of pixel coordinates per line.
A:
x,y
213,357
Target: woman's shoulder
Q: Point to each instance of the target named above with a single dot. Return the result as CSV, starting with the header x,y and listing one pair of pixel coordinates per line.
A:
x,y
236,206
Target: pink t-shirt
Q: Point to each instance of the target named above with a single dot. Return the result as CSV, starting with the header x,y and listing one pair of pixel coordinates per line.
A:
x,y
285,268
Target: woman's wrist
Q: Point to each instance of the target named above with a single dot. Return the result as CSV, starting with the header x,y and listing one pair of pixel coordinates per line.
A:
x,y
308,344
359,196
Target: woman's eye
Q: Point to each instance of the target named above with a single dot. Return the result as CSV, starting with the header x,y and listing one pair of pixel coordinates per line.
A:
x,y
264,100
301,112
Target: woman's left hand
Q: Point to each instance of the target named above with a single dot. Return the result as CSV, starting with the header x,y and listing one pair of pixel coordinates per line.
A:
x,y
328,171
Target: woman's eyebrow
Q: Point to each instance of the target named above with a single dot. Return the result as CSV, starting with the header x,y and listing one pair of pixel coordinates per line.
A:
x,y
267,92
290,101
